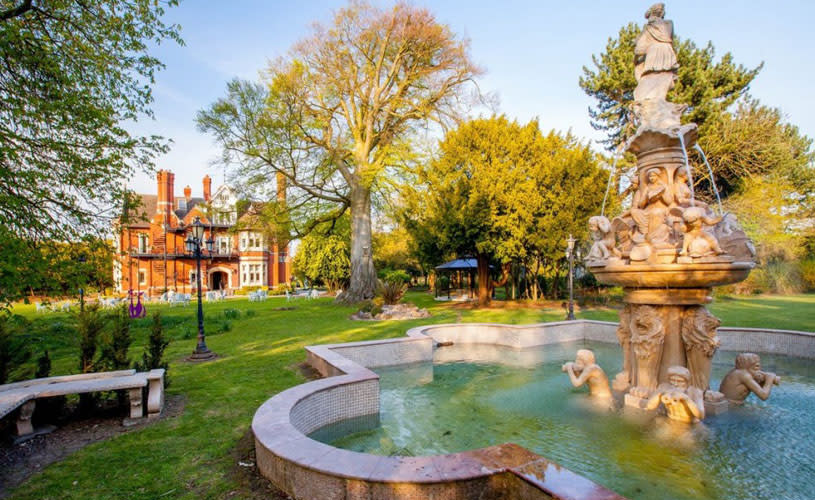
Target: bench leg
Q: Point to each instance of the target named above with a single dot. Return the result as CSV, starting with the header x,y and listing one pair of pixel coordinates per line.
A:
x,y
24,418
136,406
155,397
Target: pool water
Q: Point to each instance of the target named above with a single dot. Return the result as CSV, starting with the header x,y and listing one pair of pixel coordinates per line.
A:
x,y
473,396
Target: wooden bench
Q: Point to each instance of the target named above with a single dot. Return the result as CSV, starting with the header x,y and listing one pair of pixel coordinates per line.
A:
x,y
24,394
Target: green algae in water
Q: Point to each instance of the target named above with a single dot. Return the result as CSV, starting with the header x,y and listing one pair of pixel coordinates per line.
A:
x,y
475,396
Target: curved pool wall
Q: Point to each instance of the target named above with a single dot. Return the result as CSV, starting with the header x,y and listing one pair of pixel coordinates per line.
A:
x,y
308,469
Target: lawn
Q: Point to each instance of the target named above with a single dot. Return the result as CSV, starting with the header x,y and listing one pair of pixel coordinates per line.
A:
x,y
192,456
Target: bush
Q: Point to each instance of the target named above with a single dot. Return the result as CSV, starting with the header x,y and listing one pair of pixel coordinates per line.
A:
x,y
807,267
280,289
115,344
231,314
90,322
395,276
392,292
14,353
776,277
153,355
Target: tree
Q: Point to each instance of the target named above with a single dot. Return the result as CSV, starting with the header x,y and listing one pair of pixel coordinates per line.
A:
x,y
754,141
338,112
157,342
324,255
505,192
706,86
72,73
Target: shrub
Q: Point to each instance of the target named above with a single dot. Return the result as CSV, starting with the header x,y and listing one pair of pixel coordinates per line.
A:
x,y
395,276
807,267
90,322
251,313
392,292
231,314
14,353
115,344
153,355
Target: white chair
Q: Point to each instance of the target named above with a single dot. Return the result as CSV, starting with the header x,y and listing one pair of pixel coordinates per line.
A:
x,y
40,307
65,307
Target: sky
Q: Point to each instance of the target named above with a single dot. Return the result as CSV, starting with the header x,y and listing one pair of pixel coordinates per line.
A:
x,y
533,52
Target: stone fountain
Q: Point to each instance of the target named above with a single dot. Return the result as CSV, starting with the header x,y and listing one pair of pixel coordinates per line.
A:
x,y
668,249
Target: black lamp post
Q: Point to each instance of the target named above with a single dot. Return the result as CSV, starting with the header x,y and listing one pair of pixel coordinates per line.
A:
x,y
570,255
194,244
81,260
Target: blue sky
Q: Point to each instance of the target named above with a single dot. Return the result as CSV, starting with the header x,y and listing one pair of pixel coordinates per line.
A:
x,y
533,52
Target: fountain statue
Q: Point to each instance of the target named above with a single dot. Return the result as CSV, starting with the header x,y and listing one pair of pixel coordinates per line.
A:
x,y
747,377
585,371
667,250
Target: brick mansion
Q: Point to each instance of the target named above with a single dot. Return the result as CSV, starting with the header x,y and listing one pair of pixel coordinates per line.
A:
x,y
151,255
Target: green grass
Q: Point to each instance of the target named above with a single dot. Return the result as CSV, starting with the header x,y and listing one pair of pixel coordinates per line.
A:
x,y
191,456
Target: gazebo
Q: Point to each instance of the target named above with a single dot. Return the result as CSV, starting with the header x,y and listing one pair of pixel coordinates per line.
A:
x,y
456,270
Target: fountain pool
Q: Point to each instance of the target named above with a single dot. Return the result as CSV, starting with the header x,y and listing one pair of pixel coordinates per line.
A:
x,y
475,395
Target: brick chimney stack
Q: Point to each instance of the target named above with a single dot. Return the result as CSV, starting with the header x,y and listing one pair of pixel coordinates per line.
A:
x,y
207,188
187,194
166,186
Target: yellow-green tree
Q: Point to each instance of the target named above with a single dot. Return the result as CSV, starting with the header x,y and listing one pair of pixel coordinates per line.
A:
x,y
501,191
339,112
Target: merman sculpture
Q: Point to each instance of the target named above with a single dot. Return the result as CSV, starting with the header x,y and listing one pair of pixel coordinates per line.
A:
x,y
747,377
585,371
668,249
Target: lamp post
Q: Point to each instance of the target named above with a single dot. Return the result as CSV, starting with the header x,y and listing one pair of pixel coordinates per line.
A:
x,y
194,244
81,260
570,255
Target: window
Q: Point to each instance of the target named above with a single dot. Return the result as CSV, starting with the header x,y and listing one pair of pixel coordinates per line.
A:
x,y
193,280
143,242
223,244
281,257
143,277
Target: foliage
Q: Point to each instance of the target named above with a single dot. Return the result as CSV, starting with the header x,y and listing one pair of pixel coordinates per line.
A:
x,y
505,191
157,342
90,323
763,207
807,267
324,255
392,291
393,250
337,114
14,351
116,342
753,140
708,87
231,313
73,72
394,276
43,365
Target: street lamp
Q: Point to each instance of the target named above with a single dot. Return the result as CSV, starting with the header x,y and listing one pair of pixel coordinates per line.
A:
x,y
194,245
81,260
570,255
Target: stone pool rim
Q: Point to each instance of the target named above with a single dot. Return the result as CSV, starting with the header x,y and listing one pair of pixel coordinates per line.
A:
x,y
306,468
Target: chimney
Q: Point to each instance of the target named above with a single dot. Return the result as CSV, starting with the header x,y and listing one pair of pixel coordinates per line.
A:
x,y
207,188
164,206
187,194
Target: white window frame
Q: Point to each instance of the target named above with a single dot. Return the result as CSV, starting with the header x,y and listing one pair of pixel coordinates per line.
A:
x,y
143,277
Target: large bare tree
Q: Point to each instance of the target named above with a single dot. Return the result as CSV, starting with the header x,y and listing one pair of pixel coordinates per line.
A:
x,y
340,111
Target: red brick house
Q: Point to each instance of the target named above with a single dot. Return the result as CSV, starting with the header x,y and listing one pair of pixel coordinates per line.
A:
x,y
151,256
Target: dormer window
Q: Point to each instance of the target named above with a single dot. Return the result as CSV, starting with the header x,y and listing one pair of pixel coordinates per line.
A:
x,y
182,204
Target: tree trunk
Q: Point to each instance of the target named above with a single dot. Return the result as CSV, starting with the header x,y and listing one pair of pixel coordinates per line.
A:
x,y
363,274
484,280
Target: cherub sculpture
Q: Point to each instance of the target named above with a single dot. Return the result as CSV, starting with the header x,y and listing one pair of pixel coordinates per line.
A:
x,y
747,377
603,246
682,401
584,370
696,241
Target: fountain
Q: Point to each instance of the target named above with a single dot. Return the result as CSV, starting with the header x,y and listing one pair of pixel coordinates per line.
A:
x,y
668,249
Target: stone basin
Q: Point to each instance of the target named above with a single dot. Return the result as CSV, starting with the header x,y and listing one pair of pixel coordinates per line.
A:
x,y
697,275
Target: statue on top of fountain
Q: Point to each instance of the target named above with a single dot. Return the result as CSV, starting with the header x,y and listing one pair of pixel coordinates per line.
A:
x,y
655,71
